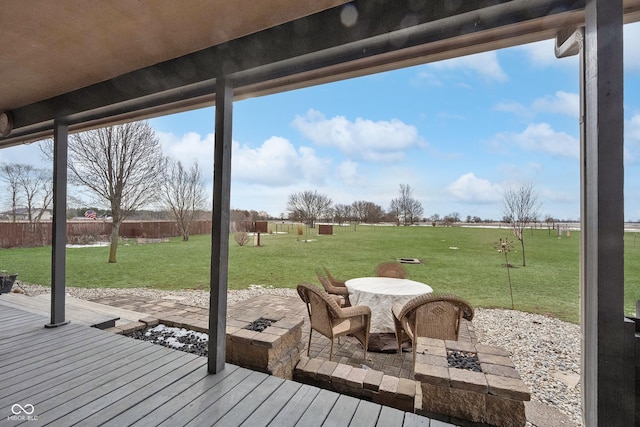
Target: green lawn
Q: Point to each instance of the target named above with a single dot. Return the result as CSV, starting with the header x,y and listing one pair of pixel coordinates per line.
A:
x,y
549,284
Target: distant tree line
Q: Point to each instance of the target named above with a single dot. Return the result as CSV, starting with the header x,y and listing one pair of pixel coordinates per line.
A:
x,y
310,207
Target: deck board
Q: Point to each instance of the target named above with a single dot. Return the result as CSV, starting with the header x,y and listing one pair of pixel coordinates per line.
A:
x,y
318,410
50,350
50,379
367,414
119,389
77,375
77,310
187,396
220,408
270,408
342,412
150,407
204,400
293,410
109,381
116,407
35,338
95,351
390,417
412,420
251,401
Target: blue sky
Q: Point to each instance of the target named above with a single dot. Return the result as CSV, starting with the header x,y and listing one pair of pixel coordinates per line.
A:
x,y
459,132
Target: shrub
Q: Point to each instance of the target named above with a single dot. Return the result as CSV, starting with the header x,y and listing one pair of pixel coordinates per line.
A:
x,y
242,238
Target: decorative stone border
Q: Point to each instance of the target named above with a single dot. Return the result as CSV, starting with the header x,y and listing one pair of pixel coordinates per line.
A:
x,y
494,396
362,383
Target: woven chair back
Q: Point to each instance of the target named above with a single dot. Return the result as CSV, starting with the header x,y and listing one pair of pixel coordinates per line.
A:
x,y
391,269
437,319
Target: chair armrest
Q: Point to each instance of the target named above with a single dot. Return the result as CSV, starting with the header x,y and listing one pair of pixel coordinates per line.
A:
x,y
397,309
356,310
340,291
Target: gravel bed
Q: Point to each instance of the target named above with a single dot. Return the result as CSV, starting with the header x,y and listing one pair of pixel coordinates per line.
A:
x,y
177,338
545,350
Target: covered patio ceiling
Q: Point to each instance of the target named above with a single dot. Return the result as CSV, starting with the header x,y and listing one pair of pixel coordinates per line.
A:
x,y
93,64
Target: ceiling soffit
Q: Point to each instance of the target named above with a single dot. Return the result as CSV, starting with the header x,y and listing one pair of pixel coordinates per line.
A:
x,y
383,37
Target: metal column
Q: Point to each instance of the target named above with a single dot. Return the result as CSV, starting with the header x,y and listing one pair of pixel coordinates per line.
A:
x,y
59,226
220,226
602,218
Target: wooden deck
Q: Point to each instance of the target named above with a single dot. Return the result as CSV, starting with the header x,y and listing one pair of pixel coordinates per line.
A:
x,y
78,311
75,374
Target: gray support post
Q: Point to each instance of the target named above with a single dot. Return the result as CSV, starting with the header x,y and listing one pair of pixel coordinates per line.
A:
x,y
602,218
220,226
59,226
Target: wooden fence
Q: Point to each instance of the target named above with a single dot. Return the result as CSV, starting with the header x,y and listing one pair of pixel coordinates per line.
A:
x,y
25,234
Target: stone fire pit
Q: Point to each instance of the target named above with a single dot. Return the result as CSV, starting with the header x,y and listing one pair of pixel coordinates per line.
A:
x,y
269,344
493,396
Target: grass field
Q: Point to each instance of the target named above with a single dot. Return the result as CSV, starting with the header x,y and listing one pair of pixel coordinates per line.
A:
x,y
459,260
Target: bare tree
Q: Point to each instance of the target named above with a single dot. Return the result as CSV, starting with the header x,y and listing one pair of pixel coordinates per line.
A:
x,y
370,212
406,208
366,212
341,213
29,186
521,207
11,175
308,206
358,211
184,194
38,192
414,210
120,165
451,219
395,208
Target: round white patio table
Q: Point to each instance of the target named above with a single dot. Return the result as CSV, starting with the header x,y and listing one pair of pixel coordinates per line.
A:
x,y
379,294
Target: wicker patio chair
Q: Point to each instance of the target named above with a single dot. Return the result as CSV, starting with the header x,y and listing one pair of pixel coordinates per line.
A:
x,y
333,321
333,280
330,288
429,315
391,269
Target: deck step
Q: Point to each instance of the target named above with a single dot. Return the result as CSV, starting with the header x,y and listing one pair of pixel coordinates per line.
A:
x,y
76,310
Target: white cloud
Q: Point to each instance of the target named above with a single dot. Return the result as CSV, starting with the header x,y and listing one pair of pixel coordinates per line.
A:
x,y
559,196
381,141
542,138
485,64
25,154
471,189
426,77
632,139
348,172
514,107
562,103
277,163
630,47
542,55
632,129
188,147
